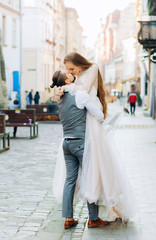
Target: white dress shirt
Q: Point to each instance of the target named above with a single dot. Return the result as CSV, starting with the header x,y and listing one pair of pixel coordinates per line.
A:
x,y
83,100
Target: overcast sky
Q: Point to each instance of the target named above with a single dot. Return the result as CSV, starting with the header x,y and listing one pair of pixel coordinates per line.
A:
x,y
93,12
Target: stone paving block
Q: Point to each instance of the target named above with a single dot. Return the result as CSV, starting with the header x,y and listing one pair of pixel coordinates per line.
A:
x,y
44,211
5,238
133,237
148,237
54,226
104,231
76,238
27,233
32,224
10,230
39,215
76,234
29,228
23,237
2,220
34,220
66,238
56,216
79,230
11,224
48,236
80,225
101,237
4,235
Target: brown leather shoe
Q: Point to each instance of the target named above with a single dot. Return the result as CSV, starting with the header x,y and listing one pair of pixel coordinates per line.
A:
x,y
97,223
70,223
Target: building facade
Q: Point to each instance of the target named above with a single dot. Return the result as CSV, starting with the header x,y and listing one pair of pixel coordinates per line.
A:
x,y
73,32
60,35
38,46
10,50
119,50
50,31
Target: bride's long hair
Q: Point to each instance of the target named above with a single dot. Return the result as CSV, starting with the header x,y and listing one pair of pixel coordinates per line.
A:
x,y
79,60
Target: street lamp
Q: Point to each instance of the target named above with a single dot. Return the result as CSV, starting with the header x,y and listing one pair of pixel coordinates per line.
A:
x,y
147,37
147,34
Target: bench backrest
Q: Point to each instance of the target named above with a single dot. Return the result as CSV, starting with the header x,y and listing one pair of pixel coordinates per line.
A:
x,y
19,115
40,109
2,123
45,109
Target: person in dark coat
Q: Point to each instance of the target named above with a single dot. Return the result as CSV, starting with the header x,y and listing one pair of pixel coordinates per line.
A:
x,y
15,106
36,98
30,96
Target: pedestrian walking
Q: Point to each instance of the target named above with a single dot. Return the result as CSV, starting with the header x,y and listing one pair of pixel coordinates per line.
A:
x,y
36,98
103,179
30,96
132,99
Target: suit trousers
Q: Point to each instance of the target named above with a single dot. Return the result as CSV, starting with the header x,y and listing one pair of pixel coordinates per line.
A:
x,y
73,153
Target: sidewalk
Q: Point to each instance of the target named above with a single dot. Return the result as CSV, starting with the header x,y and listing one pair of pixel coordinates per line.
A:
x,y
135,137
28,210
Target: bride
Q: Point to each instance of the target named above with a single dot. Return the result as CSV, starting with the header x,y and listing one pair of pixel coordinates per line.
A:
x,y
103,179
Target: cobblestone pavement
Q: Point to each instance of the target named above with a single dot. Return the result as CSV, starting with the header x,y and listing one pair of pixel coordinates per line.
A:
x,y
28,210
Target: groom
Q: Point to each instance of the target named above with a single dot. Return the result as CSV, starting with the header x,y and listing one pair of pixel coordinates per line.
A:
x,y
72,112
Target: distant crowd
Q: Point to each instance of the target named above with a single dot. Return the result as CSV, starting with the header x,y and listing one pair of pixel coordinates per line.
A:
x,y
30,98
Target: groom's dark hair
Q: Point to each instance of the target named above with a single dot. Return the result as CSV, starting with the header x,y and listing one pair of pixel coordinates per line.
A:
x,y
58,79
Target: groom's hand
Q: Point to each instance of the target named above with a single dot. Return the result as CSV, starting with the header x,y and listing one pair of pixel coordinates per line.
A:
x,y
59,92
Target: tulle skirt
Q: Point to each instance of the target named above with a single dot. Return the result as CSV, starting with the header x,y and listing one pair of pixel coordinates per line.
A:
x,y
103,179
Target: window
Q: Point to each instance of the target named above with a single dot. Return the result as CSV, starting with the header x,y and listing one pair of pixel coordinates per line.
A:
x,y
14,33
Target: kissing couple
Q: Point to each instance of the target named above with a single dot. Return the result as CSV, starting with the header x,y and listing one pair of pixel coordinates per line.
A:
x,y
87,149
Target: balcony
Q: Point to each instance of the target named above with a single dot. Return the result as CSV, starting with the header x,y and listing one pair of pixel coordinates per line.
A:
x,y
147,34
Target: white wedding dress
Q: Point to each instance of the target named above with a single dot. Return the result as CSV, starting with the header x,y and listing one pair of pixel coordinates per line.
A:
x,y
103,179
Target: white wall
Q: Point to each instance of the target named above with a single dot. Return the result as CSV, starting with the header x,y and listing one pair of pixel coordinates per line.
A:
x,y
129,58
11,50
38,49
110,73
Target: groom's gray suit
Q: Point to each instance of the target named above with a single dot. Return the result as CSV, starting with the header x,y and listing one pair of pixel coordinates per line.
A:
x,y
73,120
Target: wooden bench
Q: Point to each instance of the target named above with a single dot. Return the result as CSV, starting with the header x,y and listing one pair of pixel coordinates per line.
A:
x,y
46,112
4,136
22,118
